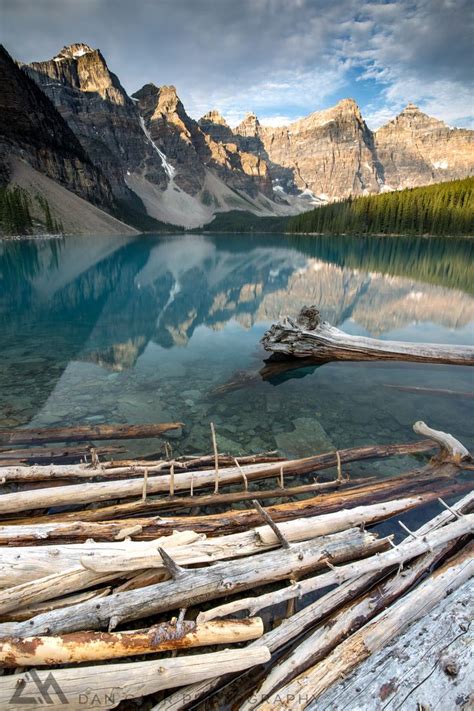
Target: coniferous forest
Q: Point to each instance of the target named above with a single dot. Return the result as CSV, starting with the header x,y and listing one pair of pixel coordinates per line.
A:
x,y
16,210
441,209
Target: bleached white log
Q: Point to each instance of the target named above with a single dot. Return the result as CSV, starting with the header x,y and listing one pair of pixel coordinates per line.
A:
x,y
107,685
199,584
449,444
310,685
407,550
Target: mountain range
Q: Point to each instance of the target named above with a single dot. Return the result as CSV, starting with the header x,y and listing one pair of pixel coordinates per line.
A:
x,y
111,163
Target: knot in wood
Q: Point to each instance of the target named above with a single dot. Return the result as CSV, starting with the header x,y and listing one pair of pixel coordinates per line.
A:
x,y
309,318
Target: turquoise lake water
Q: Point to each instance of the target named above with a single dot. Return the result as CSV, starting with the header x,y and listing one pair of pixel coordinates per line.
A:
x,y
145,329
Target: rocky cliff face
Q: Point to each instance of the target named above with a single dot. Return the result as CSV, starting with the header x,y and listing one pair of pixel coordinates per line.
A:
x,y
31,129
330,153
334,154
99,112
191,150
415,149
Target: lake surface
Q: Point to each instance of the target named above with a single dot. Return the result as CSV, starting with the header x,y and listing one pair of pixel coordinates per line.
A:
x,y
145,329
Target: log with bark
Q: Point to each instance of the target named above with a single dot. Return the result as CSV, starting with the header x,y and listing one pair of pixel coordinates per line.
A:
x,y
309,337
86,433
99,646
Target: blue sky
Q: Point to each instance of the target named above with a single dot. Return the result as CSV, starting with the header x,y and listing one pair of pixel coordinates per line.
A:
x,y
281,59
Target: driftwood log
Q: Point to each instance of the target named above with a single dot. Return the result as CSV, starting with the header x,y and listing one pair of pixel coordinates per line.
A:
x,y
309,337
191,586
107,685
99,646
309,685
311,615
86,433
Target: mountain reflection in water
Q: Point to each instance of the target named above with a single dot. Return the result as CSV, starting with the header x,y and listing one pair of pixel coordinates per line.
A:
x,y
145,329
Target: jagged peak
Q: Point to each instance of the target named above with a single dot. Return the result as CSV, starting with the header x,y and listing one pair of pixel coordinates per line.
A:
x,y
411,108
74,51
213,116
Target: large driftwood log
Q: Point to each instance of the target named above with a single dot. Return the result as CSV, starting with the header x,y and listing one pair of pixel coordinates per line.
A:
x,y
397,556
390,623
107,685
294,625
191,586
342,623
437,672
99,646
310,337
86,433
187,547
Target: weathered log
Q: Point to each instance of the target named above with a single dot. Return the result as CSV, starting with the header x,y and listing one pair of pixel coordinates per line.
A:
x,y
309,685
107,685
342,623
192,586
101,491
63,569
86,433
326,343
120,557
99,646
83,525
450,447
437,671
293,626
24,613
397,556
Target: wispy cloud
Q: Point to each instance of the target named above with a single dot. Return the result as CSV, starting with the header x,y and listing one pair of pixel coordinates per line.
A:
x,y
280,58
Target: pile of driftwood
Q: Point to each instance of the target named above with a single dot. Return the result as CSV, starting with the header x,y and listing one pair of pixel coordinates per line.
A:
x,y
114,585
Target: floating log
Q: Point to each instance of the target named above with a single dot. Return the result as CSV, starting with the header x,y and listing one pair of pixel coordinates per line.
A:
x,y
187,547
24,613
292,627
338,574
450,447
436,672
102,491
191,586
309,685
47,455
419,390
86,433
98,646
308,336
107,685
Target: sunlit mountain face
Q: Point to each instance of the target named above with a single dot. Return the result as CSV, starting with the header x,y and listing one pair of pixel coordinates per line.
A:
x,y
138,330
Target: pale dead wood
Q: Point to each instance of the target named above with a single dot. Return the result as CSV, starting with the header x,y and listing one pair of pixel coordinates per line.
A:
x,y
310,685
24,613
201,584
450,446
112,683
397,556
291,628
99,646
326,343
123,556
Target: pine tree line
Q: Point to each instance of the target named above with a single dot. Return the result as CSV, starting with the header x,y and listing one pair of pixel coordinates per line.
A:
x,y
16,209
441,209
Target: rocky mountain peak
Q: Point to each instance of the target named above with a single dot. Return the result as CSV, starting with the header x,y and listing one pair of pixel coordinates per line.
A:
x,y
73,51
213,116
249,126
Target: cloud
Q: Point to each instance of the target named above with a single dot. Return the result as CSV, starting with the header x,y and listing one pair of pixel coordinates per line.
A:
x,y
279,58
